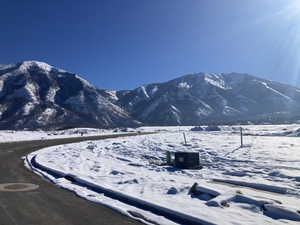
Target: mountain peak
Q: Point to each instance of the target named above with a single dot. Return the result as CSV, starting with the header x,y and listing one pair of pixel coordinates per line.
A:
x,y
26,65
202,97
35,95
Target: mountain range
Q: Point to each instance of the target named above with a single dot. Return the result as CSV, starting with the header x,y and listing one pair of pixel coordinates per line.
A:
x,y
35,95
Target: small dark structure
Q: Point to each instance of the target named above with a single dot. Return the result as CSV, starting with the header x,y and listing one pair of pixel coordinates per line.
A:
x,y
197,128
184,160
212,128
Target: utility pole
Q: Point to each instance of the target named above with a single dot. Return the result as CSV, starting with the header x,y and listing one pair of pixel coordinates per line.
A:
x,y
184,138
241,130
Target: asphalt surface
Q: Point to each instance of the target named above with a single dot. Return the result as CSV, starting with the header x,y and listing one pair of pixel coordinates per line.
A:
x,y
49,204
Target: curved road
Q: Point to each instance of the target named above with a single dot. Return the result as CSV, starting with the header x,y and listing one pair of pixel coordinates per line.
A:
x,y
49,204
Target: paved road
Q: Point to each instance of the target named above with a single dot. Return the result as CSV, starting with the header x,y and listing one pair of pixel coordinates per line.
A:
x,y
49,204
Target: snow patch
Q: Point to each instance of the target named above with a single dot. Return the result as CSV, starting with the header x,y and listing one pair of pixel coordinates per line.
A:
x,y
8,66
28,91
46,115
113,95
28,108
51,94
143,90
184,85
229,111
1,84
275,91
26,65
215,80
205,110
154,90
85,82
176,113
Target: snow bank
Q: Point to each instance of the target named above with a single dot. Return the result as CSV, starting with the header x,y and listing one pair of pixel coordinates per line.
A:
x,y
264,187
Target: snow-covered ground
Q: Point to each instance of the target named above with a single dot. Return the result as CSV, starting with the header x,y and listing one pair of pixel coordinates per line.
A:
x,y
12,136
268,130
135,166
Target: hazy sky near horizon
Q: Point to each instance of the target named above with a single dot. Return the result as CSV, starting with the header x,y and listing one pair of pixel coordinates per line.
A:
x,y
122,44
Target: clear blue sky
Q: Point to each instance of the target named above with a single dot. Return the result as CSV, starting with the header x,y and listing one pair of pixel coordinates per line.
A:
x,y
122,44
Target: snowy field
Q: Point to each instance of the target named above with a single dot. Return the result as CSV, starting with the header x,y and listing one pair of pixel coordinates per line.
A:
x,y
262,130
13,136
271,130
136,167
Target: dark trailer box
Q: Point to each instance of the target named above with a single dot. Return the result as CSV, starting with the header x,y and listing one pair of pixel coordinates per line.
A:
x,y
184,160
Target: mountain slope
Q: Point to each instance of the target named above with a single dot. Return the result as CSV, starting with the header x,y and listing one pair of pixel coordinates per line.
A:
x,y
36,95
201,98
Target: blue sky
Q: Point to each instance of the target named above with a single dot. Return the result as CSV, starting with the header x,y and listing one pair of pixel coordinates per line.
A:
x,y
122,44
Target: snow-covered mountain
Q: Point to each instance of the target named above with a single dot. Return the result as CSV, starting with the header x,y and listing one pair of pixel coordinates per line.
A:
x,y
204,98
36,95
